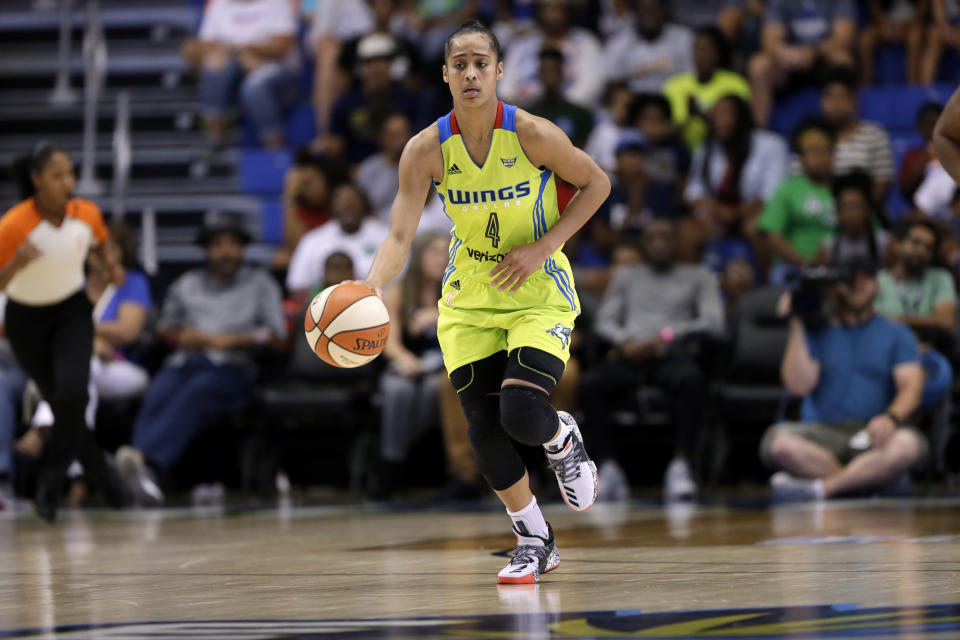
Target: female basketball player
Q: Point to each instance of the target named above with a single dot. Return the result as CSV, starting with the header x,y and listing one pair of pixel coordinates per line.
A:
x,y
508,303
44,242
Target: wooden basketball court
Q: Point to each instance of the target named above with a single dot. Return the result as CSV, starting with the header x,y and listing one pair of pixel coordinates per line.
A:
x,y
873,569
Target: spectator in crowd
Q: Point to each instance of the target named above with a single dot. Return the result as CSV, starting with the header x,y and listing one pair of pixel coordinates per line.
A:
x,y
648,315
733,174
352,230
574,120
858,234
379,175
693,94
356,113
893,22
626,209
647,55
306,199
13,381
917,159
666,157
405,66
726,15
943,33
120,292
410,384
738,277
333,24
861,379
859,144
216,316
914,290
798,37
248,44
579,82
611,125
801,212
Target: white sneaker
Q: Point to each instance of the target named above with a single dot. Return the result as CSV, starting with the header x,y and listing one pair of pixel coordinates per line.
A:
x,y
530,561
576,472
140,481
613,483
678,482
785,487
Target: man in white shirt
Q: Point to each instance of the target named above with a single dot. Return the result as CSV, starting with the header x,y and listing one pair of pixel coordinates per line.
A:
x,y
249,44
582,84
352,231
651,52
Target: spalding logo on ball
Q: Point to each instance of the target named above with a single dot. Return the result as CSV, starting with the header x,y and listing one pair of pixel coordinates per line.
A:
x,y
347,325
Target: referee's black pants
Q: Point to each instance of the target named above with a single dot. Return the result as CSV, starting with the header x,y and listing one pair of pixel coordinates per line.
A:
x,y
54,343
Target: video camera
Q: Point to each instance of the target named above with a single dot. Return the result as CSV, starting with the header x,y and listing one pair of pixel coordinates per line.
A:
x,y
808,285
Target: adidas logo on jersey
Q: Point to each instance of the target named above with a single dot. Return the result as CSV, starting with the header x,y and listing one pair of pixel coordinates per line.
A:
x,y
454,170
455,284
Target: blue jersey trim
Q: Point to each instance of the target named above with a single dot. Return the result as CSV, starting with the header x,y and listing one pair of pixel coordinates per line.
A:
x,y
509,117
453,254
443,123
539,228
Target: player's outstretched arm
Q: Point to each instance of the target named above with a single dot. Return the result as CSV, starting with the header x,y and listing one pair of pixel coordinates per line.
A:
x,y
418,165
546,145
946,137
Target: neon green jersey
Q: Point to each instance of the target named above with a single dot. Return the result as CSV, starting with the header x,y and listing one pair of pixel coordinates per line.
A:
x,y
497,206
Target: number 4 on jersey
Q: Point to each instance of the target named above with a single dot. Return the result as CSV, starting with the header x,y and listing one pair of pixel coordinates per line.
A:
x,y
493,230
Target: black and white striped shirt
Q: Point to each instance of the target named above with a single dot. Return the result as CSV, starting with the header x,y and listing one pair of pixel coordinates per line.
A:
x,y
868,149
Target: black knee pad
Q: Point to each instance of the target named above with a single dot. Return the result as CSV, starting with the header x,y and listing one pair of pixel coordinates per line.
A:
x,y
526,415
534,366
478,387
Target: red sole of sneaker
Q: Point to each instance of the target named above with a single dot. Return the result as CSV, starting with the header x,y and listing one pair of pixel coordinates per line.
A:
x,y
525,579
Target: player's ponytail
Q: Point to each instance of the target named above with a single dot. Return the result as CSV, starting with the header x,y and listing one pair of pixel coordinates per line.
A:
x,y
25,166
474,26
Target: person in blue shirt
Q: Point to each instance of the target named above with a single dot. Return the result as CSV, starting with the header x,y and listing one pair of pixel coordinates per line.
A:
x,y
861,379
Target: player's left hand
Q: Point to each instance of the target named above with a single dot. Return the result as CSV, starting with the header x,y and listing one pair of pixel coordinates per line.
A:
x,y
520,263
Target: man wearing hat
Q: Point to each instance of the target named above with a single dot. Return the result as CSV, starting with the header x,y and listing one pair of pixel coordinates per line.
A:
x,y
861,380
357,114
213,317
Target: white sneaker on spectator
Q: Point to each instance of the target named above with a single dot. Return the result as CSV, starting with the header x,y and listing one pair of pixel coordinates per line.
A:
x,y
678,482
140,481
613,483
785,487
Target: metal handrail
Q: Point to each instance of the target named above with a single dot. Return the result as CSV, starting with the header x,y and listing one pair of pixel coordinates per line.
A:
x,y
63,94
122,155
95,63
148,241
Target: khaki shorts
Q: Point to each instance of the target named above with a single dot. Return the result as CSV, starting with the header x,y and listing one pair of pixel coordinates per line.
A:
x,y
835,438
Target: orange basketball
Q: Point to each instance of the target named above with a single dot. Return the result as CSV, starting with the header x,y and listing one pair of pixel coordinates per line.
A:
x,y
347,325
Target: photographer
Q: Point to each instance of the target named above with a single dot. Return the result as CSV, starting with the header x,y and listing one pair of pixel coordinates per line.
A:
x,y
861,379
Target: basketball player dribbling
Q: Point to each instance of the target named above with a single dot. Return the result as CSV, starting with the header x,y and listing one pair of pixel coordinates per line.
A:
x,y
508,302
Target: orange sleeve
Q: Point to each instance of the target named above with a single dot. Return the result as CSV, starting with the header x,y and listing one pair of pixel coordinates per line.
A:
x,y
15,226
90,213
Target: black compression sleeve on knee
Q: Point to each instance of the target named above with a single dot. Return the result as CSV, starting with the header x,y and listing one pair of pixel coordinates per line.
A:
x,y
496,456
526,414
534,366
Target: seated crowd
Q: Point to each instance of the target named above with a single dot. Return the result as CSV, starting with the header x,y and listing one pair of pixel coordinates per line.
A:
x,y
706,205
